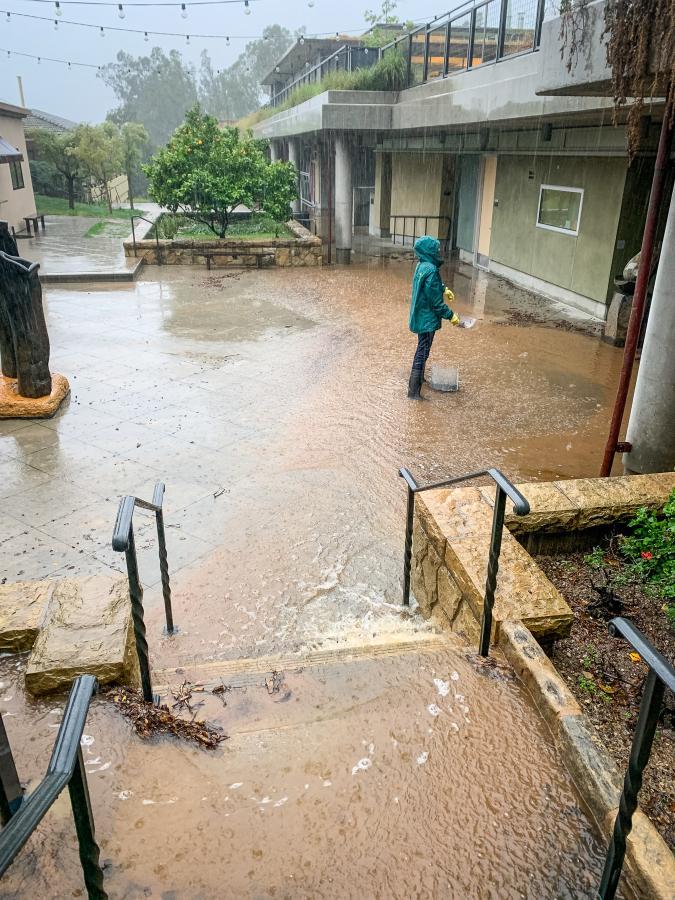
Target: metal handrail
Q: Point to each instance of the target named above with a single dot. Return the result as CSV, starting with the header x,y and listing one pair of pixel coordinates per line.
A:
x,y
123,542
66,769
661,675
504,489
404,42
415,217
133,236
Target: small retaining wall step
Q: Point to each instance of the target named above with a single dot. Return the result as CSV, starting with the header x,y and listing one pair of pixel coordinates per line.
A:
x,y
87,630
22,610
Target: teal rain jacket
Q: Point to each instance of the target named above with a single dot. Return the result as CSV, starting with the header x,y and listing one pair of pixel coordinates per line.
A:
x,y
427,307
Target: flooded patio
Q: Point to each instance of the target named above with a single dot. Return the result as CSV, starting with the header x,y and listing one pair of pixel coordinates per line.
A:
x,y
273,404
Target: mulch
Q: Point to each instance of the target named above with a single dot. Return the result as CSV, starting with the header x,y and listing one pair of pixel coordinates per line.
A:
x,y
606,676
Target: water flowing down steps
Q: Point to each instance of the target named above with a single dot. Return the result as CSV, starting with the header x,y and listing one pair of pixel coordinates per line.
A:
x,y
403,767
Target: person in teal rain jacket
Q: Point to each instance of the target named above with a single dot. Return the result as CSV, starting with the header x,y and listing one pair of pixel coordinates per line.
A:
x,y
427,307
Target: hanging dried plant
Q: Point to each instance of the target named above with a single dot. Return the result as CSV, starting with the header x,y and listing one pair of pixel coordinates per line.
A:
x,y
640,36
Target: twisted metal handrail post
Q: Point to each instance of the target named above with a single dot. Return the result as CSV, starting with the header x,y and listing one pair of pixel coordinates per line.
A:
x,y
492,570
136,596
157,500
84,826
123,541
410,518
660,675
11,793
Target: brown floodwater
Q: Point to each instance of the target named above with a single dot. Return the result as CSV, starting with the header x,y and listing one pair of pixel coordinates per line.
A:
x,y
274,406
375,778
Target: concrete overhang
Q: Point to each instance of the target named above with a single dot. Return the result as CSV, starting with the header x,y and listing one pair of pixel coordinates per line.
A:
x,y
332,111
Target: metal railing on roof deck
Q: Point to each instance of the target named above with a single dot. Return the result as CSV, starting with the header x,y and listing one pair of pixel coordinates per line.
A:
x,y
476,33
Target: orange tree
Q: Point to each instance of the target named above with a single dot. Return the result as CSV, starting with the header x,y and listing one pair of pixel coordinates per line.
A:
x,y
206,171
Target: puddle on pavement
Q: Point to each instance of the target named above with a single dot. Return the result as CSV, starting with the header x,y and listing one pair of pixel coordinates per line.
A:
x,y
371,778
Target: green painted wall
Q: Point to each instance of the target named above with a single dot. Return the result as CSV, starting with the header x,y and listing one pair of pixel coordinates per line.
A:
x,y
582,263
466,202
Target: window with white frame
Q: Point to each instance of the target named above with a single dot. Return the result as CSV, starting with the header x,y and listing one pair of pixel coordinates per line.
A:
x,y
560,208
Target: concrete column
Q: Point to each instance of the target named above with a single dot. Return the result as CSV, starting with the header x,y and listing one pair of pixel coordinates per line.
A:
x,y
381,212
275,151
294,157
344,201
651,427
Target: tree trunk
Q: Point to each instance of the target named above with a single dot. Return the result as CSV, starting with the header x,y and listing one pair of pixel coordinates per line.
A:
x,y
71,191
21,299
131,194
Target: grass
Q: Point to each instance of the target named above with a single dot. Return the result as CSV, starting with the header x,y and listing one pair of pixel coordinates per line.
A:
x,y
388,74
58,206
108,227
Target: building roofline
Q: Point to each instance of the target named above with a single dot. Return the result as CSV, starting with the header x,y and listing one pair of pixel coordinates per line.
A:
x,y
14,112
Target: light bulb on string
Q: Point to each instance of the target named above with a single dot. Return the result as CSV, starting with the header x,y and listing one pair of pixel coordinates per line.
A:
x,y
56,24
9,18
247,8
227,42
145,37
39,60
57,8
302,40
187,39
101,32
69,67
310,3
120,11
183,11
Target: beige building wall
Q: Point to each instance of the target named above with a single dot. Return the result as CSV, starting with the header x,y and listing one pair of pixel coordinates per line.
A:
x,y
417,188
15,204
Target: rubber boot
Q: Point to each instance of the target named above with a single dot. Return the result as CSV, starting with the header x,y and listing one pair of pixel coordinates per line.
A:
x,y
415,384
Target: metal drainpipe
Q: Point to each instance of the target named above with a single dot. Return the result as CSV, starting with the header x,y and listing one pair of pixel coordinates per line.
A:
x,y
640,295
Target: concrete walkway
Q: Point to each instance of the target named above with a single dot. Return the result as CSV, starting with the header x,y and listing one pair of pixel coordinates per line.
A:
x,y
67,253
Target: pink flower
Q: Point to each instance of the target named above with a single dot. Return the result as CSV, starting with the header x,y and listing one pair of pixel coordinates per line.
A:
x,y
646,554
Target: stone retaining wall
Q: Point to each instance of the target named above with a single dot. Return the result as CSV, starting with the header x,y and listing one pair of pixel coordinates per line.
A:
x,y
303,249
451,538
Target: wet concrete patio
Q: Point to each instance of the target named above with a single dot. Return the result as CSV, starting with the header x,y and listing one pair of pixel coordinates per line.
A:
x,y
273,404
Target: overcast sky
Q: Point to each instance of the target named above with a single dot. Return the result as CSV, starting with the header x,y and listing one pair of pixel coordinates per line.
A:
x,y
80,95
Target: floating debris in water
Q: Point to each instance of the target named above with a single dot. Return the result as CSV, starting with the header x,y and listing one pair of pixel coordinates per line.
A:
x,y
362,765
149,719
422,758
433,709
443,687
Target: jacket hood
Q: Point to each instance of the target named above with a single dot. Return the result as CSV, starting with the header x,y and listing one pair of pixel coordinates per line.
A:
x,y
428,249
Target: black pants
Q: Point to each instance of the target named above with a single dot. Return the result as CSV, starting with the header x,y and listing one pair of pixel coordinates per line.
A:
x,y
424,342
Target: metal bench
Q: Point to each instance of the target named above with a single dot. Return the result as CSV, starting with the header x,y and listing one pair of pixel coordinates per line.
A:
x,y
235,254
38,217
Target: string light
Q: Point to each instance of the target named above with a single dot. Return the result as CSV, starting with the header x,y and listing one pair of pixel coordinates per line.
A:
x,y
187,39
301,41
56,24
59,11
159,3
183,11
247,8
9,18
120,11
41,59
102,32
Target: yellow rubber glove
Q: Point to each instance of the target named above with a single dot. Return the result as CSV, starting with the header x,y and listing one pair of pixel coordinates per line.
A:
x,y
455,320
449,296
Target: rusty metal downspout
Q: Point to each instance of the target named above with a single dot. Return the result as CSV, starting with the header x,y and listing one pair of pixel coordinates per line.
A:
x,y
646,253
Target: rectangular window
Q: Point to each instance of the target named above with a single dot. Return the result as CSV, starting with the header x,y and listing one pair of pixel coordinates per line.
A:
x,y
458,49
560,208
16,172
